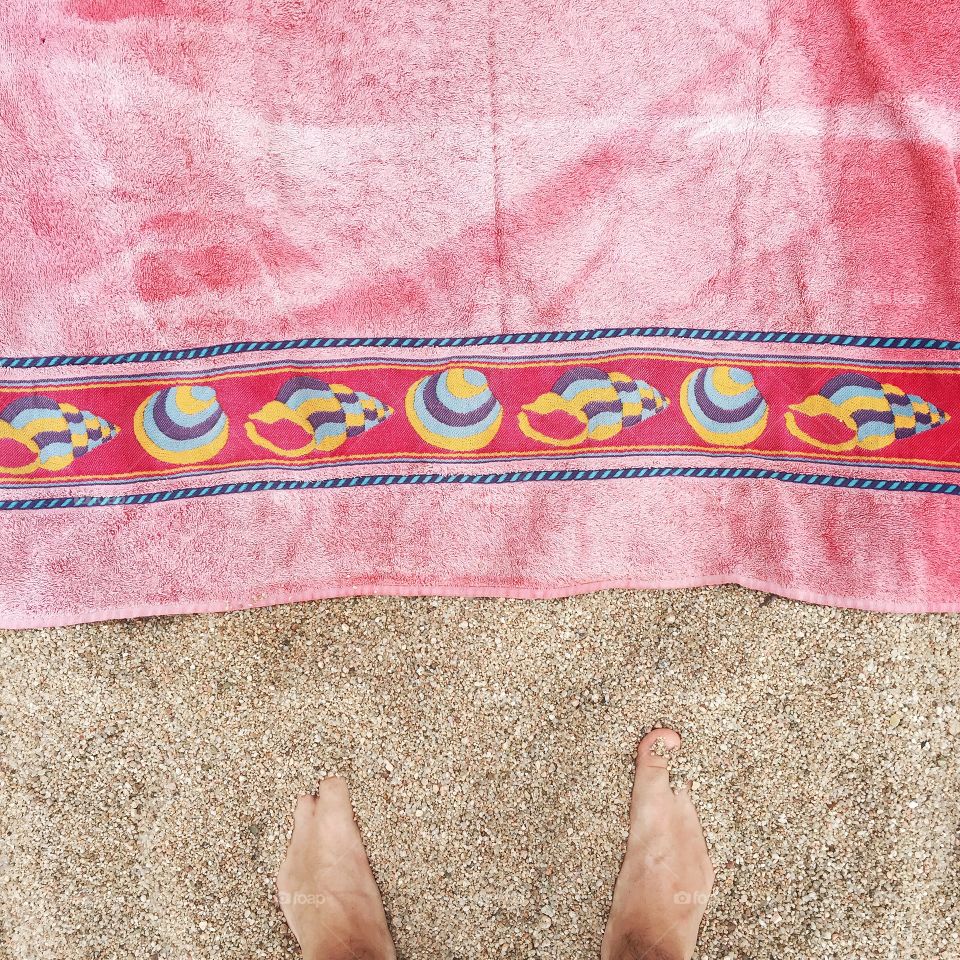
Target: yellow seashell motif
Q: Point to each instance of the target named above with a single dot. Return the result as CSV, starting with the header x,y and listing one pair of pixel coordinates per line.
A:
x,y
605,403
56,433
329,413
876,414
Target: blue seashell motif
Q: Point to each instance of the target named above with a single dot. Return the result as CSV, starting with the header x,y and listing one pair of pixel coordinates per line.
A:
x,y
724,406
454,409
181,424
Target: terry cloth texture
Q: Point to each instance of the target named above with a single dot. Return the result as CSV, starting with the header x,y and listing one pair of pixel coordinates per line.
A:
x,y
517,298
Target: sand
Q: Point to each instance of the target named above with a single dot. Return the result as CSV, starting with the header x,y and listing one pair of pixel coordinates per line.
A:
x,y
149,770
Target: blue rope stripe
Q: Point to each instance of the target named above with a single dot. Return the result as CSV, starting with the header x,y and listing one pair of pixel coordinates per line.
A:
x,y
522,476
556,336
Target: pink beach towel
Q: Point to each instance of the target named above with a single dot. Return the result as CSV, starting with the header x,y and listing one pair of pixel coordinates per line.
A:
x,y
305,298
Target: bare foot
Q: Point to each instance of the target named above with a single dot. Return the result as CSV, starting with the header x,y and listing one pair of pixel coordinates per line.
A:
x,y
325,884
666,876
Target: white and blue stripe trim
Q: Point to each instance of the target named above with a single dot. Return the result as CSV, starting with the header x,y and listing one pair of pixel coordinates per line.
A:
x,y
520,476
495,339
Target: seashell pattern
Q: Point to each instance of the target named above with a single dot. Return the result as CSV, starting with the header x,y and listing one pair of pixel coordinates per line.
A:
x,y
181,424
605,403
454,409
56,433
724,406
329,413
875,413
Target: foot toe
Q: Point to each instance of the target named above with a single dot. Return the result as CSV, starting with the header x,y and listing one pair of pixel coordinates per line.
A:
x,y
333,790
649,759
670,740
652,776
330,805
306,807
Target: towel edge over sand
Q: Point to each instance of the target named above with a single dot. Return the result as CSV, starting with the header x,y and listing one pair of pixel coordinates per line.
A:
x,y
277,598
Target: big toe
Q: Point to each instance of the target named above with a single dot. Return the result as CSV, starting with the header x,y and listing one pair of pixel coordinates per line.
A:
x,y
648,749
332,793
652,775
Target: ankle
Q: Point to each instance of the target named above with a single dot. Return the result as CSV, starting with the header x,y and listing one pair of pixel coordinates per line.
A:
x,y
350,951
633,946
353,941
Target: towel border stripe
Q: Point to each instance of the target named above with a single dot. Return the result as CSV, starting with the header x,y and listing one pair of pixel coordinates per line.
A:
x,y
520,476
495,339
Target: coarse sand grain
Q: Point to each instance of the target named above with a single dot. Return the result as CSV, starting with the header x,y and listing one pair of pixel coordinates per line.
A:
x,y
150,767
